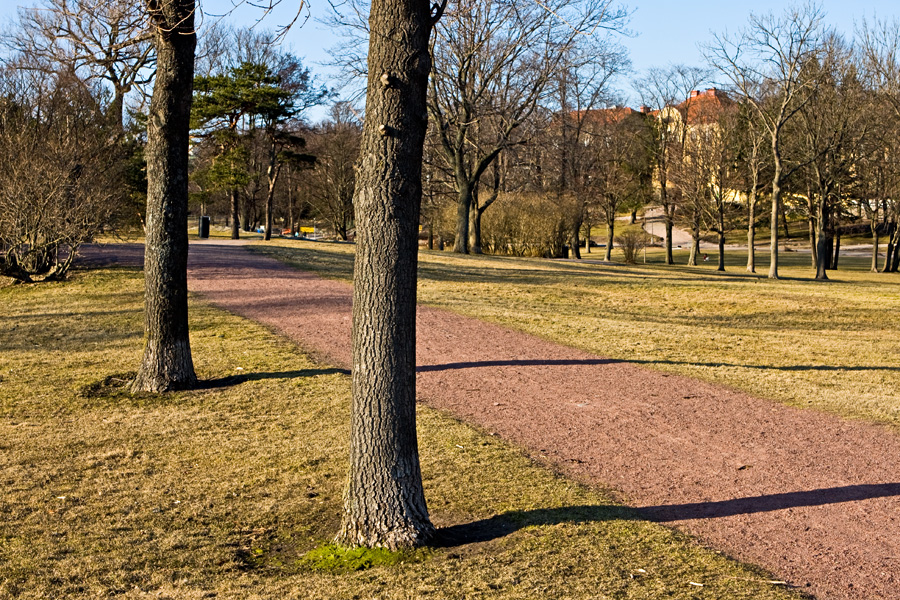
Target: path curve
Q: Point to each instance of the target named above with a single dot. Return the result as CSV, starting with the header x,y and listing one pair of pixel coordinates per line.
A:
x,y
809,496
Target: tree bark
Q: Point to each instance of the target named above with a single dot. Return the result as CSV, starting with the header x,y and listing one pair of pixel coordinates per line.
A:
x,y
751,232
610,230
474,229
773,221
384,504
837,251
167,363
721,225
235,214
821,236
463,206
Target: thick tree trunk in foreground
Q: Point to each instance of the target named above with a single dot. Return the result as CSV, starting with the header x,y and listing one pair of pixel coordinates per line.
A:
x,y
384,504
167,363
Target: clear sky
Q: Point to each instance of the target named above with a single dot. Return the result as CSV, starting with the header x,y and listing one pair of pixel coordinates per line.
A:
x,y
665,32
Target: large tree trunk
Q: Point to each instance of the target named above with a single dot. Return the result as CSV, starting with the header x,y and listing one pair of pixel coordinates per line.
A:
x,y
167,363
384,504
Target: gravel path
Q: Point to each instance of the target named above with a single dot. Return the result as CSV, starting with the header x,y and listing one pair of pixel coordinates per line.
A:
x,y
809,496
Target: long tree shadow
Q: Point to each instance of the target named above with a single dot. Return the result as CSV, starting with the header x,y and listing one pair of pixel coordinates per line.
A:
x,y
516,363
504,524
767,503
611,361
231,380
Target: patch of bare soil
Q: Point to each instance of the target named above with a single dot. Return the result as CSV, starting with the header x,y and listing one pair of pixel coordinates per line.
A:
x,y
809,496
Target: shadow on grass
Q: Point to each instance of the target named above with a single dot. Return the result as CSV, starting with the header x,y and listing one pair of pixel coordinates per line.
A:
x,y
507,523
612,361
231,380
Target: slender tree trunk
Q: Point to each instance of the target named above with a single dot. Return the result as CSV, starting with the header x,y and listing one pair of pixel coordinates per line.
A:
x,y
751,231
821,236
272,173
895,263
384,504
167,363
610,230
773,222
463,207
235,214
875,241
811,226
670,260
720,204
837,251
891,248
695,238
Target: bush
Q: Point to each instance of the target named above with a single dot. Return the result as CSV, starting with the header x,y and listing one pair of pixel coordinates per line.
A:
x,y
60,176
631,241
525,225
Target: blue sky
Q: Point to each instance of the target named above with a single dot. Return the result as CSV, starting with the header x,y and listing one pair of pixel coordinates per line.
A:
x,y
666,32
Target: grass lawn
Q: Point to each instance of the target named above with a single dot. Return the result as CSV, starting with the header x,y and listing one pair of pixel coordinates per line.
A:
x,y
220,492
830,345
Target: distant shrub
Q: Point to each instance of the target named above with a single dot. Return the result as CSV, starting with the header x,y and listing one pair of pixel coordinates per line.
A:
x,y
631,241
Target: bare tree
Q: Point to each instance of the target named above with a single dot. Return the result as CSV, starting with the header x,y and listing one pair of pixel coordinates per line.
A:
x,y
167,362
833,127
494,64
880,49
665,90
60,174
104,39
384,504
766,63
332,182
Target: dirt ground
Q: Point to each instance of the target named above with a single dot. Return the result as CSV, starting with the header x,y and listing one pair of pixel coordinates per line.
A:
x,y
809,496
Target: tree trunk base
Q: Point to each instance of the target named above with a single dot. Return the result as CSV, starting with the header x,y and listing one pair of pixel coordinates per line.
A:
x,y
404,535
165,368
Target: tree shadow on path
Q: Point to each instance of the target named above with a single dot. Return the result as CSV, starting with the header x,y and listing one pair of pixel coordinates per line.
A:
x,y
507,523
612,361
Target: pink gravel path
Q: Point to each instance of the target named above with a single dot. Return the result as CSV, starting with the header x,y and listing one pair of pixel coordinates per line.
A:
x,y
809,496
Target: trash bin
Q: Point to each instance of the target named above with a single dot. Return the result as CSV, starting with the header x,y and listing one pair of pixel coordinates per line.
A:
x,y
204,227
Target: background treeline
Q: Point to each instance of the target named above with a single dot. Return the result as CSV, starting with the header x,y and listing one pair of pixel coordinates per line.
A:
x,y
530,149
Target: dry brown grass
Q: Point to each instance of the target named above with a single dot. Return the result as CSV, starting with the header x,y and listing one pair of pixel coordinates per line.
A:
x,y
219,492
